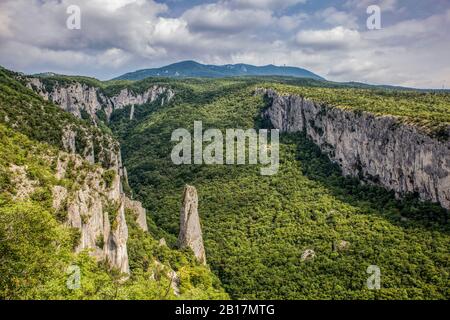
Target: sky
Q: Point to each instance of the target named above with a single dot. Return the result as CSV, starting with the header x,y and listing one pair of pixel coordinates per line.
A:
x,y
330,38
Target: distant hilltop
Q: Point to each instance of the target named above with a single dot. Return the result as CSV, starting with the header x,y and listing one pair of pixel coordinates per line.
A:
x,y
192,69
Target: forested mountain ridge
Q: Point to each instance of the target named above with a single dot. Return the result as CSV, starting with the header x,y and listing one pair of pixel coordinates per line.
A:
x,y
192,69
305,233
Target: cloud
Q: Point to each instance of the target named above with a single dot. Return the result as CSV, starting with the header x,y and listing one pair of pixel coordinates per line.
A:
x,y
123,35
331,39
221,18
414,32
292,22
265,4
334,17
385,5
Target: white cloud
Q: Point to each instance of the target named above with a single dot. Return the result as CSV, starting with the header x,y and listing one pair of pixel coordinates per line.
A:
x,y
385,5
113,5
334,17
415,31
292,22
336,38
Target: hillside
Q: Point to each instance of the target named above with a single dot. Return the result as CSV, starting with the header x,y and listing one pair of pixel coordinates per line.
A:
x,y
61,211
192,69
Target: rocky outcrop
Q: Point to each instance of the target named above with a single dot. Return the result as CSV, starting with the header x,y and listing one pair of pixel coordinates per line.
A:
x,y
377,149
175,281
190,229
23,186
73,97
95,205
96,209
127,97
94,146
138,211
308,254
82,99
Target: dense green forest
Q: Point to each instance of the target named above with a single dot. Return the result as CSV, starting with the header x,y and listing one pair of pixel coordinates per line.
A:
x,y
256,228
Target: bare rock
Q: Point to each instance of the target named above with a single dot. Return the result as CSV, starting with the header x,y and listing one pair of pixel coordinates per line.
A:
x,y
78,98
59,197
162,242
190,229
138,211
341,245
175,280
98,211
23,186
308,254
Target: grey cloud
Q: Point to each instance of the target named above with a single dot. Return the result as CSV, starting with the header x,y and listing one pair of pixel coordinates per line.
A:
x,y
221,18
264,4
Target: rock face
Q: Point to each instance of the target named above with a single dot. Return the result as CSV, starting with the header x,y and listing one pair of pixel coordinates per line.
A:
x,y
377,149
95,147
22,184
81,99
308,254
138,211
190,229
96,208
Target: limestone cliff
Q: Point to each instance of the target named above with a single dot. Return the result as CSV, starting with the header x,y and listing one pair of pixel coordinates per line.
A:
x,y
138,211
190,229
95,205
377,149
94,146
80,99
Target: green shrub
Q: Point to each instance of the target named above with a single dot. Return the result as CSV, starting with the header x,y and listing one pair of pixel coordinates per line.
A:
x,y
108,177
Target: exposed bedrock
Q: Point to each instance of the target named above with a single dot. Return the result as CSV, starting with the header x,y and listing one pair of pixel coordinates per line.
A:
x,y
77,97
190,229
96,207
378,149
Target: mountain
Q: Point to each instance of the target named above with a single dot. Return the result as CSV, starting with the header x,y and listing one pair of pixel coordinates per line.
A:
x,y
192,69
